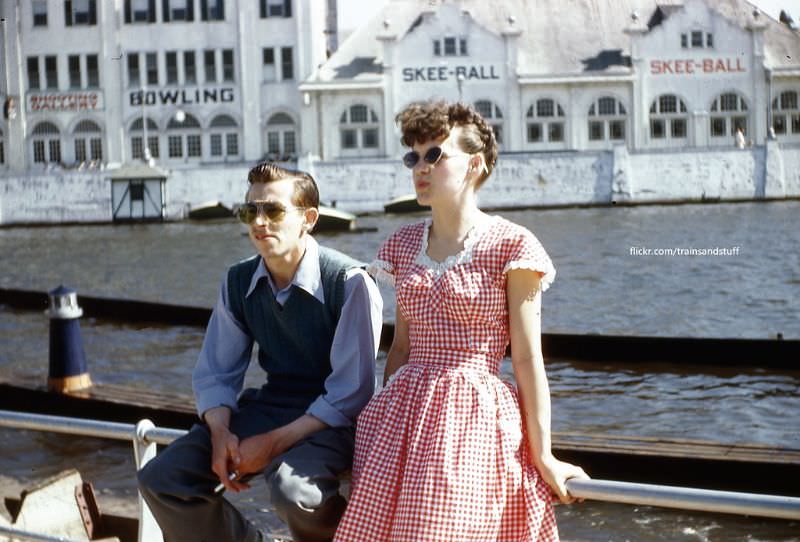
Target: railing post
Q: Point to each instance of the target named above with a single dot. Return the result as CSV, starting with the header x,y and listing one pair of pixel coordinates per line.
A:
x,y
143,452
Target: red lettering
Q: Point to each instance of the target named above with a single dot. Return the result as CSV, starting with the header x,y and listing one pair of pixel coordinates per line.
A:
x,y
655,67
667,64
93,100
720,66
708,65
739,67
689,66
679,66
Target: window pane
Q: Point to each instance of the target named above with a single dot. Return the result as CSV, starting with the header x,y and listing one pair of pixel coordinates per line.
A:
x,y
678,128
668,104
656,128
484,107
74,62
697,38
796,124
231,144
684,41
134,77
175,146
718,126
80,150
545,108
172,68
33,73
370,138
39,12
449,46
534,132
50,72
789,100
709,40
137,151
227,65
274,142
349,139
498,133
38,151
189,68
462,47
216,144
152,144
193,147
358,113
739,122
555,132
268,72
141,11
216,10
437,48
617,129
210,64
96,148
595,131
289,145
729,102
607,106
152,68
55,150
92,73
287,65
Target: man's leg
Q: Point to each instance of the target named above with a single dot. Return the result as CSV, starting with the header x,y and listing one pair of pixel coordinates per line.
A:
x,y
178,484
304,484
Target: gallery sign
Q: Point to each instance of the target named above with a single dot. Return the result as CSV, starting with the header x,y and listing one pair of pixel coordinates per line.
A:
x,y
66,101
689,66
451,73
182,96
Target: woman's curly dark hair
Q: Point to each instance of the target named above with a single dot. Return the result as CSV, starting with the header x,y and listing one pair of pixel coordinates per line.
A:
x,y
423,121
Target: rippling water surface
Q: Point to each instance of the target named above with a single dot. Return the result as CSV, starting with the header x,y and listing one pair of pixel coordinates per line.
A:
x,y
601,288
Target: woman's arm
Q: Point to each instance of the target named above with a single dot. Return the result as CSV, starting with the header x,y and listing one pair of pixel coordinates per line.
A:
x,y
524,312
401,346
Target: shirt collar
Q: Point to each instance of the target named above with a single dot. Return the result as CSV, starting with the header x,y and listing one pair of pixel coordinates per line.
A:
x,y
307,277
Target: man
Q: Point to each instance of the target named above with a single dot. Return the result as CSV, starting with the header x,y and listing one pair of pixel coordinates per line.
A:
x,y
316,317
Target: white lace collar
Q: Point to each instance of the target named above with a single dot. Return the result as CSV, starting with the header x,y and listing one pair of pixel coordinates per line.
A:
x,y
463,256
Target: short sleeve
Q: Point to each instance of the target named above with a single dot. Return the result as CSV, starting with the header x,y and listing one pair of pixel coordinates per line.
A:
x,y
383,266
526,252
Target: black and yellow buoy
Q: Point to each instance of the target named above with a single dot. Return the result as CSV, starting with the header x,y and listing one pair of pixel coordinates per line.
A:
x,y
68,371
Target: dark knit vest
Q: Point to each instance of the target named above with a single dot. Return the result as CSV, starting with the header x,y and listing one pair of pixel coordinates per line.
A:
x,y
294,341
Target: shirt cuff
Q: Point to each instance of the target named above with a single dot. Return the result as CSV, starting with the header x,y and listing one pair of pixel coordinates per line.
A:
x,y
215,397
323,411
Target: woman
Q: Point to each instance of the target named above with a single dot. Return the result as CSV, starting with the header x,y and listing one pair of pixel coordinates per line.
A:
x,y
447,451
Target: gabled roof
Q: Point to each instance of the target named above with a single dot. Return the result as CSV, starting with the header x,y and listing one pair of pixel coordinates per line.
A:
x,y
557,37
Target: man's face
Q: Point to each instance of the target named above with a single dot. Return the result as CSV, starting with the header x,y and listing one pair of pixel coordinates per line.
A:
x,y
282,235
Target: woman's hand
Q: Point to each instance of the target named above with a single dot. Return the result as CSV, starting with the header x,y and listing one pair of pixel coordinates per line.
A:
x,y
556,473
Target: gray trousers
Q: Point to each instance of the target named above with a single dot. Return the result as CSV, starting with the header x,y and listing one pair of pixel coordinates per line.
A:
x,y
178,485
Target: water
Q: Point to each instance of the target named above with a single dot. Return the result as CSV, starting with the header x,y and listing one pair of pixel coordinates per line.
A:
x,y
601,288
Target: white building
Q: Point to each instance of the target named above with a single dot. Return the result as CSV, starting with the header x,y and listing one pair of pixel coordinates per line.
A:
x,y
81,74
551,75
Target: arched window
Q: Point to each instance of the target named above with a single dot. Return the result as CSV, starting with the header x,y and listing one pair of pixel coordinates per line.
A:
x,y
492,114
137,139
607,120
281,137
545,121
46,140
728,114
786,114
669,119
184,137
224,130
359,129
88,131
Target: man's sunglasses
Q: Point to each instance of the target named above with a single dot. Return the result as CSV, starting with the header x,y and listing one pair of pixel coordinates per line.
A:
x,y
275,212
431,156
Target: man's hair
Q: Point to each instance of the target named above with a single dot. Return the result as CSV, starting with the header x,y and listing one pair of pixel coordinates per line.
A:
x,y
423,121
306,193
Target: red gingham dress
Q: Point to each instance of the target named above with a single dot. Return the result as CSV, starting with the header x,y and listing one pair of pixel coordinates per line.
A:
x,y
440,452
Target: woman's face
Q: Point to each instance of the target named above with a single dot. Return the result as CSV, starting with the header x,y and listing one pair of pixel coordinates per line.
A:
x,y
447,180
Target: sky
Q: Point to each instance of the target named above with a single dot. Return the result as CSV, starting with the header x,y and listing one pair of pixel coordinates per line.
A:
x,y
353,13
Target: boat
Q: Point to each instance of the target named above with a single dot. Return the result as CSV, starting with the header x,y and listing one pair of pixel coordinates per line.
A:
x,y
210,210
332,219
405,204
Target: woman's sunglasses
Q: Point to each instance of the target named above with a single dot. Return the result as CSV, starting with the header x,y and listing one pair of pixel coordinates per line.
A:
x,y
431,156
275,212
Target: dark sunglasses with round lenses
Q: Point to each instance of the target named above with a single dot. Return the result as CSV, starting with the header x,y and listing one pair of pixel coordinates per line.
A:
x,y
431,156
275,212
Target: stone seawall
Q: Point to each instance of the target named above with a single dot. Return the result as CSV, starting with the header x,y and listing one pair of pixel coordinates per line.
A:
x,y
520,180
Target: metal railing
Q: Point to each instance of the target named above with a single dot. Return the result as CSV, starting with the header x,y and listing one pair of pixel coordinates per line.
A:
x,y
145,436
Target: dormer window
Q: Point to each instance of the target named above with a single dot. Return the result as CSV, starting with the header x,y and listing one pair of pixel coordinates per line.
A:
x,y
699,40
450,46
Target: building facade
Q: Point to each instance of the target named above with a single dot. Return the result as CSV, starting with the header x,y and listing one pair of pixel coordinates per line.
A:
x,y
553,77
90,84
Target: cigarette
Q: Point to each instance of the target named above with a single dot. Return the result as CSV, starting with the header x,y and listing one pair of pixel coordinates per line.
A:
x,y
221,487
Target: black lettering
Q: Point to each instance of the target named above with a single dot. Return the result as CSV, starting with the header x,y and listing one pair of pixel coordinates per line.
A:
x,y
136,98
473,73
492,74
408,74
210,95
183,98
461,71
168,96
419,73
442,73
431,73
226,95
150,98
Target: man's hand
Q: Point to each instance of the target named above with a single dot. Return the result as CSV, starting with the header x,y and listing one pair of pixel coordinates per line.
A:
x,y
225,454
258,451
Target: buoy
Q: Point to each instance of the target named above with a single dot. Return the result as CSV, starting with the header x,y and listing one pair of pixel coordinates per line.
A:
x,y
68,371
